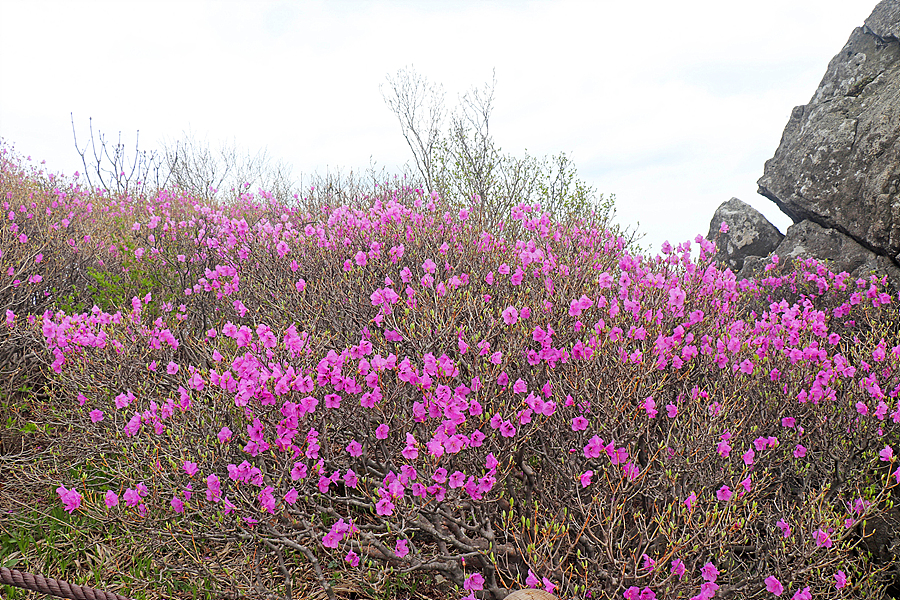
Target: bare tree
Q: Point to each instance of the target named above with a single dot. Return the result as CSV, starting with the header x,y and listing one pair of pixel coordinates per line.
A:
x,y
111,169
419,106
471,152
194,166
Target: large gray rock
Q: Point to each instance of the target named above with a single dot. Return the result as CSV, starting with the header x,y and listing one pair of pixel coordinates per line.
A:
x,y
749,233
838,163
808,239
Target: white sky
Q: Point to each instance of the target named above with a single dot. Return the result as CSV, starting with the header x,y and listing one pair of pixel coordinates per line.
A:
x,y
672,106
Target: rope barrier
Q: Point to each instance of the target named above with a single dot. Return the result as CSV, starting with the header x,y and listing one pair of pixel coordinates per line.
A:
x,y
54,587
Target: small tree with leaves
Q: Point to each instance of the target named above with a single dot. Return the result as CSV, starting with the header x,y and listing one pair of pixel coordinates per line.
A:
x,y
465,166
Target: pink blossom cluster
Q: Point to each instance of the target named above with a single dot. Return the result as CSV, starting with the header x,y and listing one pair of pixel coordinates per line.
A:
x,y
401,360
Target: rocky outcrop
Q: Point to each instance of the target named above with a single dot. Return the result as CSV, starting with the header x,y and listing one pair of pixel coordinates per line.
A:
x,y
836,172
838,163
749,234
808,239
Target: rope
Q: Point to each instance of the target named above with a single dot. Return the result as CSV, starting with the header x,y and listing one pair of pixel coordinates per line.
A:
x,y
54,587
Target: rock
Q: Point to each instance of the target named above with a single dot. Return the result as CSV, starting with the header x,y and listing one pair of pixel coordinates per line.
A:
x,y
530,594
838,163
754,266
749,234
879,536
807,239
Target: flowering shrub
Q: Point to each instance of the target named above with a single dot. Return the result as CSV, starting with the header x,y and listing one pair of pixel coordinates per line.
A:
x,y
403,385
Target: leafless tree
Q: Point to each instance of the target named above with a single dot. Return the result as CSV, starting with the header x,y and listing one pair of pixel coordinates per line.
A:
x,y
208,173
111,169
419,106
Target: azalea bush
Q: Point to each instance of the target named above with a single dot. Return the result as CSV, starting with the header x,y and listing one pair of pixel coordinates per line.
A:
x,y
404,386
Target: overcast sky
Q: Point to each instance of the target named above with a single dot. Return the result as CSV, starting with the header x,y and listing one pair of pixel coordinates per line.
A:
x,y
672,106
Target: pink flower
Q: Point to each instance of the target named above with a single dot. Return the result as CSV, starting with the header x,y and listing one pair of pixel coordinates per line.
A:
x,y
840,579
532,580
267,500
133,426
678,567
457,479
111,499
96,416
548,585
384,507
352,558
630,469
132,497
291,497
190,468
723,448
709,572
774,586
723,228
799,451
401,548
784,527
671,410
822,539
593,447
70,498
579,423
586,478
224,434
748,456
803,594
724,493
355,449
510,315
350,478
122,400
475,581
299,471
381,432
440,475
690,501
213,488
887,454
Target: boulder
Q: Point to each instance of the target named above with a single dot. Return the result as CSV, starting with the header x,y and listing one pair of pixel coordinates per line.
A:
x,y
808,239
838,163
749,234
530,594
